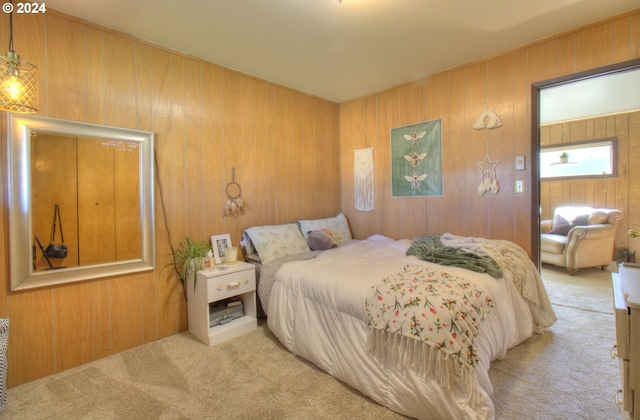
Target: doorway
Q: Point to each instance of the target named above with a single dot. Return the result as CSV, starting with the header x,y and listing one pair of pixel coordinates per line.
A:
x,y
576,107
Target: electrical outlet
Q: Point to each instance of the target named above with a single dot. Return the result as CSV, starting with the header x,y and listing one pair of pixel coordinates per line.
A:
x,y
519,186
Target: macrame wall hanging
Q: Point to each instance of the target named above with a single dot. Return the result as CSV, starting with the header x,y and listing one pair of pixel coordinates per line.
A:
x,y
363,174
488,180
363,178
235,205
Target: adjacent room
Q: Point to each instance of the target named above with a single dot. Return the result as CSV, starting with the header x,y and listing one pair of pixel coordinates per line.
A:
x,y
231,209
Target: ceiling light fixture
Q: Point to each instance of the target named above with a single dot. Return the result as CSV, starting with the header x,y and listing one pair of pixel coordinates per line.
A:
x,y
18,83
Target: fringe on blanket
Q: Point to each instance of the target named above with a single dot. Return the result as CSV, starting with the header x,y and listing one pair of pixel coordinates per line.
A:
x,y
540,330
427,361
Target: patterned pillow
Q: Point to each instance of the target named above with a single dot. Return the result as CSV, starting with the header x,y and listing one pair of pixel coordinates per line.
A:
x,y
338,226
277,241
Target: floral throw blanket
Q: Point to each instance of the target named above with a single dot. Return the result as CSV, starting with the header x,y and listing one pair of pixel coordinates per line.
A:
x,y
426,320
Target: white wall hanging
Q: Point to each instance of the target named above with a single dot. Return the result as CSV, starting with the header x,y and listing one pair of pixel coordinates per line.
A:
x,y
488,119
488,179
363,179
235,205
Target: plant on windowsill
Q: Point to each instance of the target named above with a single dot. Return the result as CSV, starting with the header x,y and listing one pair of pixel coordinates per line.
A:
x,y
564,157
187,258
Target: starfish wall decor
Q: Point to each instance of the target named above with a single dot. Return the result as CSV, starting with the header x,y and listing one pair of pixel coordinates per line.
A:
x,y
489,181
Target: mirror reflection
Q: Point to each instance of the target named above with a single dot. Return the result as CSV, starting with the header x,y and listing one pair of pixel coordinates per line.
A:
x,y
94,184
81,201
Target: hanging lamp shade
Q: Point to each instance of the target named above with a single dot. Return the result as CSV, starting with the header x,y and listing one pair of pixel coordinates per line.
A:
x,y
18,85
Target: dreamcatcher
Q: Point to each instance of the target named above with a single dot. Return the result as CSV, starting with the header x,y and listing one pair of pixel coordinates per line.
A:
x,y
235,205
488,180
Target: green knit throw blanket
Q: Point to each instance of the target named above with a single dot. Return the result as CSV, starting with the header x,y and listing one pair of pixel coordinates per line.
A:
x,y
431,249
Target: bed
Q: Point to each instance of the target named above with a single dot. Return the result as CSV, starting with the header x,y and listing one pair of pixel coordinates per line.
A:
x,y
321,304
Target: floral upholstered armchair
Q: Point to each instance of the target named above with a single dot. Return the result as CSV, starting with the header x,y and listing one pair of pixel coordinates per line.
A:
x,y
579,237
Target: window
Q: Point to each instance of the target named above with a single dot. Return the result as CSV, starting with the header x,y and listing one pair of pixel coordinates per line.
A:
x,y
592,159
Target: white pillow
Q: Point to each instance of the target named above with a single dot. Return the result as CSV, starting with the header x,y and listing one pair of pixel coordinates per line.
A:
x,y
277,241
338,226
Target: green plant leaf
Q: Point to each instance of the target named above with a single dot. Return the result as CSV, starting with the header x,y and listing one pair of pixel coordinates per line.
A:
x,y
188,258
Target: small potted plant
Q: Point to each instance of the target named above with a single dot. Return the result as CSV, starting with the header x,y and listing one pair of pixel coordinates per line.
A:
x,y
564,157
187,258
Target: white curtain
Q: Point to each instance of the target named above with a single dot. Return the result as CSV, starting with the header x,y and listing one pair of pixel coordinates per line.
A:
x,y
363,179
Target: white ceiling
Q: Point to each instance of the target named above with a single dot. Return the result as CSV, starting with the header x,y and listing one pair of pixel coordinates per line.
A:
x,y
603,95
341,51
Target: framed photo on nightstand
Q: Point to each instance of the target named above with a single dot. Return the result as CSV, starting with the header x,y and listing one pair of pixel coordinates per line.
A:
x,y
219,243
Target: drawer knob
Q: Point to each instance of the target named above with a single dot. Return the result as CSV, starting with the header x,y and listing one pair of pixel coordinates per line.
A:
x,y
232,286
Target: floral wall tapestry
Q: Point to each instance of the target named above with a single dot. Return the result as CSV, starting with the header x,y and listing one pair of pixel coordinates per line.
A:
x,y
416,159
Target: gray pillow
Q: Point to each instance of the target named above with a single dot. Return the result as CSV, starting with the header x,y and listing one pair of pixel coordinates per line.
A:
x,y
560,226
320,240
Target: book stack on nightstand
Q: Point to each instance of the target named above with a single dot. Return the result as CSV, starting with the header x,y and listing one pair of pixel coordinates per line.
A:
x,y
223,304
224,311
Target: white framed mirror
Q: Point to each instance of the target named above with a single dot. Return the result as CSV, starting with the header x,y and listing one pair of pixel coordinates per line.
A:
x,y
101,181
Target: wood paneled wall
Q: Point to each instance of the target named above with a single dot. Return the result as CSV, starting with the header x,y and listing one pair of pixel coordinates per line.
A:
x,y
282,143
459,96
621,192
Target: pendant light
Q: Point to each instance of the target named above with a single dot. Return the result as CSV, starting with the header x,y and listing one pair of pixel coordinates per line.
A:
x,y
18,83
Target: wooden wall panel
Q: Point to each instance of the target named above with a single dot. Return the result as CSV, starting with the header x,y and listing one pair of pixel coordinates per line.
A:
x,y
94,68
522,146
31,337
119,65
454,165
68,40
206,120
258,169
100,298
126,315
72,318
593,47
127,202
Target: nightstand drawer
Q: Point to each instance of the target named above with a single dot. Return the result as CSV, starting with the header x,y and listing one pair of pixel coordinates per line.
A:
x,y
232,284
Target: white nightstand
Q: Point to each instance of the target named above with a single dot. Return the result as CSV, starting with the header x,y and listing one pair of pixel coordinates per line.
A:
x,y
222,282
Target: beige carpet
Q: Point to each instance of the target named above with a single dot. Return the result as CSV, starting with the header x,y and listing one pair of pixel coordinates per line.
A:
x,y
567,374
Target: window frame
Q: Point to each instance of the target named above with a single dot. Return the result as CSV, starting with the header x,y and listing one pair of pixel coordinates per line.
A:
x,y
567,147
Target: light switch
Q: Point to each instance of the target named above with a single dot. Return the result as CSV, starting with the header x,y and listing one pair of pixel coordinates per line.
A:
x,y
519,186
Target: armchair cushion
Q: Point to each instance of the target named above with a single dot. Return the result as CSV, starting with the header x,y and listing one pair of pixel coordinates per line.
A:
x,y
561,226
553,243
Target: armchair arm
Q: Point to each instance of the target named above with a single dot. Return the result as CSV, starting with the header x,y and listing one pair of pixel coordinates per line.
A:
x,y
545,226
588,246
579,233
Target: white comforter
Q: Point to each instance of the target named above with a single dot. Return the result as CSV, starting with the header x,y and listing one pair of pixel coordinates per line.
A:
x,y
317,311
